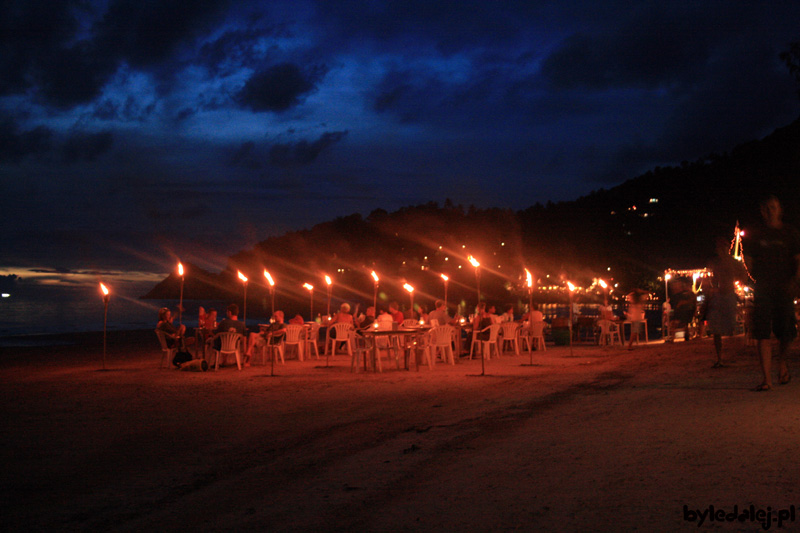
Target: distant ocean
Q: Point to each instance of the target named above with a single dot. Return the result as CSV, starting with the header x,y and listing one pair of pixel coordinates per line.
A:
x,y
41,309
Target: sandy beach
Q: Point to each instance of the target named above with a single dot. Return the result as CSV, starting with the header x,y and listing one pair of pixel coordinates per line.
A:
x,y
606,439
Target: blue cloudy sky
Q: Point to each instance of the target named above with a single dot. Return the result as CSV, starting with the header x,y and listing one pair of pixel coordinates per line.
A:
x,y
133,132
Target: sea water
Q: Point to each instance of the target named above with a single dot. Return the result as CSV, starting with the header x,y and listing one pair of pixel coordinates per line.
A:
x,y
38,309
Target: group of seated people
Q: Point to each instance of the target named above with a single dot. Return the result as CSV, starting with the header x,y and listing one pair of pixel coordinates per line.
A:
x,y
209,327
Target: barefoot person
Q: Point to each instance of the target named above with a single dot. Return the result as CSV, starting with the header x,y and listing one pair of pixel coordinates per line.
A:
x,y
774,261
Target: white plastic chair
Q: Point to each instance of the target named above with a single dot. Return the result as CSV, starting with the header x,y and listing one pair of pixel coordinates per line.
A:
x,y
535,336
364,348
230,343
486,346
344,335
167,353
294,337
279,348
441,342
391,342
510,335
312,339
608,332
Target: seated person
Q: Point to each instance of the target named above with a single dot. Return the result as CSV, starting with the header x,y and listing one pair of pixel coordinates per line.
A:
x,y
508,315
440,314
173,335
210,323
272,334
298,319
534,315
384,317
492,312
483,319
606,312
365,321
230,322
397,315
342,316
422,313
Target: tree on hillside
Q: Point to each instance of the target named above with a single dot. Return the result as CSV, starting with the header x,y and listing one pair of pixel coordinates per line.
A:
x,y
792,59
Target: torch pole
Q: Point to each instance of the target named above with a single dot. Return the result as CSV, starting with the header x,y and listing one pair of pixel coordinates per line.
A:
x,y
105,321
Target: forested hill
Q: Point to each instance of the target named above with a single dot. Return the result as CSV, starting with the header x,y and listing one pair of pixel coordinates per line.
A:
x,y
666,218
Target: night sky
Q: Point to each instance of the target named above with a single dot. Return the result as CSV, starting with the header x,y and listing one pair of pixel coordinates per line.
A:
x,y
135,132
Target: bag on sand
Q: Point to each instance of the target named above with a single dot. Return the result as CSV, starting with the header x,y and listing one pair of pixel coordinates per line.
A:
x,y
181,357
195,365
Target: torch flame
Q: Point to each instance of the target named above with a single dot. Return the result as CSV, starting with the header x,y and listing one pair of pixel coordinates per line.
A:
x,y
602,283
328,279
375,276
529,278
473,261
444,277
668,277
104,289
308,286
269,278
408,287
242,276
180,269
571,286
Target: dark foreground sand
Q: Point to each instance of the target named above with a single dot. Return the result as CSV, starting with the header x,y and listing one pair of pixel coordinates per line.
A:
x,y
609,439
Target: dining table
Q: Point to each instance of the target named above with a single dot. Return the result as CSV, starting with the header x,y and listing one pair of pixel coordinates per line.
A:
x,y
401,333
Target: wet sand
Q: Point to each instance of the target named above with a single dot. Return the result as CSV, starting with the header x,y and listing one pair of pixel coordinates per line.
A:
x,y
606,439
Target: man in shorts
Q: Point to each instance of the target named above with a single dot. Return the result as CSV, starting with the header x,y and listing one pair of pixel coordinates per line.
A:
x,y
774,262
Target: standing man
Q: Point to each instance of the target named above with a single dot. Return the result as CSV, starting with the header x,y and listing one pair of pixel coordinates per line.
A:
x,y
774,251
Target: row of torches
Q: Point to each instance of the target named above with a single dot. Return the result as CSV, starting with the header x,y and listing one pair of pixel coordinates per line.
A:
x,y
106,294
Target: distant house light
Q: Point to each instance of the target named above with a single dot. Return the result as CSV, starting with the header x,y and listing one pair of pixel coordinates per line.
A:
x,y
613,212
653,200
6,295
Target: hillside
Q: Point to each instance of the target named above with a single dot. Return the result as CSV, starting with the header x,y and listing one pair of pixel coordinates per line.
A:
x,y
666,218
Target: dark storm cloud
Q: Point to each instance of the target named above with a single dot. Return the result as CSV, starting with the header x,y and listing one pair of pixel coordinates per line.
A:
x,y
44,46
86,146
652,47
303,152
279,87
147,32
15,145
246,157
29,31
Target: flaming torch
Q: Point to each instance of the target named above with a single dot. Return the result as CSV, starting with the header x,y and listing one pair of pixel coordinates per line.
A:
x,y
571,292
180,305
667,277
310,289
244,281
329,282
529,284
271,289
375,294
474,262
410,290
106,297
603,284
